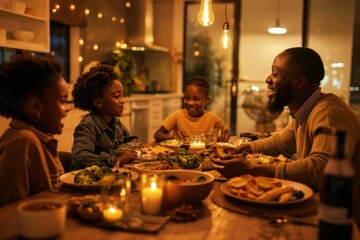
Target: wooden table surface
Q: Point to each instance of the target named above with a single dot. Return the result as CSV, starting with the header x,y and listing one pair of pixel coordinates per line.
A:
x,y
217,224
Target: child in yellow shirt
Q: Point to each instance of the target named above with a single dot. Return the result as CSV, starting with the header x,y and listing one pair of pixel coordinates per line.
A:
x,y
193,119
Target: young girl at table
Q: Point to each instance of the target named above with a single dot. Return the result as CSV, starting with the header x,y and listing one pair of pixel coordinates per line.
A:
x,y
100,132
193,119
33,94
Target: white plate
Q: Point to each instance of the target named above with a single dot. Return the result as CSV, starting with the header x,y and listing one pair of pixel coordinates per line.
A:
x,y
308,192
68,179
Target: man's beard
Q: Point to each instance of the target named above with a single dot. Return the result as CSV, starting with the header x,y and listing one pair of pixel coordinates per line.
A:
x,y
279,100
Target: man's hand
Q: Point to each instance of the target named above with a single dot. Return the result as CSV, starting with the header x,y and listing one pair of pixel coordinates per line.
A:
x,y
235,166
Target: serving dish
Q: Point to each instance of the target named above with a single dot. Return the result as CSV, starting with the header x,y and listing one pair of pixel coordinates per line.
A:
x,y
149,167
68,179
308,192
172,144
186,187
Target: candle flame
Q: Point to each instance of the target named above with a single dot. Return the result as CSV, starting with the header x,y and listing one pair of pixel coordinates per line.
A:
x,y
153,185
112,209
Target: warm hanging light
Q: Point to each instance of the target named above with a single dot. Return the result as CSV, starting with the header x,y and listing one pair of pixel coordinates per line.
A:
x,y
277,29
206,15
225,39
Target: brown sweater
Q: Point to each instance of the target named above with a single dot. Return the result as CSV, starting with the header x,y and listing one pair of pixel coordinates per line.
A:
x,y
28,162
312,145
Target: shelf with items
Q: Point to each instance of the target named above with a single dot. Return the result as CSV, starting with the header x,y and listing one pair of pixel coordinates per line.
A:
x,y
37,22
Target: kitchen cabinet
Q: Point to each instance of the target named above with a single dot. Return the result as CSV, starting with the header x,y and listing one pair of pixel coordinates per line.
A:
x,y
155,117
148,111
37,23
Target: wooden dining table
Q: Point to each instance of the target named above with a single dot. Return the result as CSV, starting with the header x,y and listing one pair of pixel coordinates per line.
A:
x,y
215,222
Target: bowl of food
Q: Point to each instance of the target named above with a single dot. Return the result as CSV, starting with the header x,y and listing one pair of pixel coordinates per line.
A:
x,y
186,187
90,209
25,36
161,166
41,218
173,144
179,159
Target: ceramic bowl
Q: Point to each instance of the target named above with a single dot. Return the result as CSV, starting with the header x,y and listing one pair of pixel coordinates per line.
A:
x,y
25,36
41,218
186,191
147,167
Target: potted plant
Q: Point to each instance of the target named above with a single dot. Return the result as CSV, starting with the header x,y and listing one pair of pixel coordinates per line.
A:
x,y
124,66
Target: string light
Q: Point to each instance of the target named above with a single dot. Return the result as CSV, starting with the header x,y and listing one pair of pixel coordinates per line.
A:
x,y
56,8
206,15
225,39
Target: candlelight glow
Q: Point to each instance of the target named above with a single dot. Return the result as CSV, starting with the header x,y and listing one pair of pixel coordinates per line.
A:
x,y
153,185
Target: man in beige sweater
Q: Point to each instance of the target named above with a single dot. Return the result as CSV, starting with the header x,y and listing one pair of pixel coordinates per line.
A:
x,y
295,82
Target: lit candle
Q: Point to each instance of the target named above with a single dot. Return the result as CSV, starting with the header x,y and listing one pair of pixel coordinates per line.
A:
x,y
112,214
151,199
196,146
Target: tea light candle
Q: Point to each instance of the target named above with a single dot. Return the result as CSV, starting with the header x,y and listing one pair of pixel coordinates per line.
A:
x,y
196,146
112,214
151,199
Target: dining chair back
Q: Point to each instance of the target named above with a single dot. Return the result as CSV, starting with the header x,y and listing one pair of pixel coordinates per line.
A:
x,y
65,158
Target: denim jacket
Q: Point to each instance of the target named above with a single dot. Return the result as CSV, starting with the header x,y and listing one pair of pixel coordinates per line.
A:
x,y
94,140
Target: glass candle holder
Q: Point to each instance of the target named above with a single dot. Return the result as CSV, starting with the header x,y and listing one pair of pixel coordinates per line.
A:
x,y
197,143
152,186
116,200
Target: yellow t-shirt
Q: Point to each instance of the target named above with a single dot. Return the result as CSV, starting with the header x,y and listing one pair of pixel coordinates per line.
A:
x,y
180,120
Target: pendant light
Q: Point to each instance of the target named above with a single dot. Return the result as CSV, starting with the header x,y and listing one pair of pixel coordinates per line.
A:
x,y
206,14
225,39
277,29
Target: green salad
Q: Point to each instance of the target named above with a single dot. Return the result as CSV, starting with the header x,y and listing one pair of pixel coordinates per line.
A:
x,y
181,157
100,175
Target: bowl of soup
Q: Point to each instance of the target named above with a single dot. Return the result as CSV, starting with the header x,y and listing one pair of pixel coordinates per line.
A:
x,y
186,187
41,218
